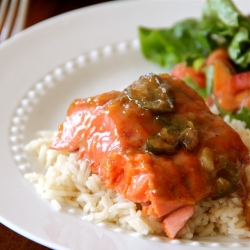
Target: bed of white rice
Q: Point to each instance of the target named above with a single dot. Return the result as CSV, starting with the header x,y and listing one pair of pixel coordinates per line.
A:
x,y
67,180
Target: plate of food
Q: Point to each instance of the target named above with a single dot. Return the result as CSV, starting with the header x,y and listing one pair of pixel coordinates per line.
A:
x,y
126,125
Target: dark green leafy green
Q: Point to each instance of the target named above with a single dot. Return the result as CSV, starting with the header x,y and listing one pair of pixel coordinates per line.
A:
x,y
221,24
239,49
226,25
183,42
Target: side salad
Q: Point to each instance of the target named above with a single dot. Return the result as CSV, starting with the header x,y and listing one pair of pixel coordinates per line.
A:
x,y
211,54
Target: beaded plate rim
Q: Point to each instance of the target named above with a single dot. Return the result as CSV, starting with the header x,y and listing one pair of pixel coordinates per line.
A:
x,y
35,94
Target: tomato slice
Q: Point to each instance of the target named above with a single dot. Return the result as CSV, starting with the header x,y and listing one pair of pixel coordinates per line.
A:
x,y
221,55
182,71
222,76
243,98
232,91
240,82
218,54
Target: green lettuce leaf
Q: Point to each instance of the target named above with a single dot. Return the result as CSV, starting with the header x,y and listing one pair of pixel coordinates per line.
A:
x,y
183,42
209,72
239,48
227,26
221,16
221,24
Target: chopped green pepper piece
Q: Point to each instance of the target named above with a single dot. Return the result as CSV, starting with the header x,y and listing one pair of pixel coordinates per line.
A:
x,y
227,177
177,131
157,146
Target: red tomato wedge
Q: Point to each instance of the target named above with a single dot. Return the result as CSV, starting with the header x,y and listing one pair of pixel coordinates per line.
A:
x,y
240,82
111,131
222,77
219,54
232,91
222,56
182,71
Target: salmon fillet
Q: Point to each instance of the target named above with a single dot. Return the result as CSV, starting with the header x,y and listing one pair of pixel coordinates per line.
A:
x,y
112,132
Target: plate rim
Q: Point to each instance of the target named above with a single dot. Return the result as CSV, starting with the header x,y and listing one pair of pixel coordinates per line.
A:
x,y
15,40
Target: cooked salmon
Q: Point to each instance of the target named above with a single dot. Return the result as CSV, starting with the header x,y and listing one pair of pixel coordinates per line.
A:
x,y
158,144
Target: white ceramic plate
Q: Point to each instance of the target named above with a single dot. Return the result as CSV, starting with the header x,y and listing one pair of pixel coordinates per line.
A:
x,y
42,70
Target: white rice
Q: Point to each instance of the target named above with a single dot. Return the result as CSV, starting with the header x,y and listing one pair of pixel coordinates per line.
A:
x,y
69,181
